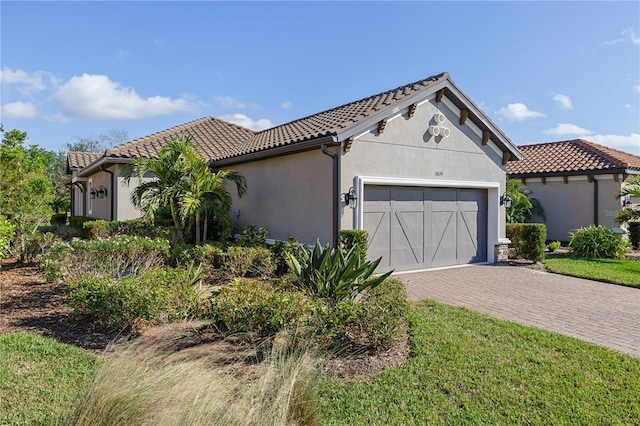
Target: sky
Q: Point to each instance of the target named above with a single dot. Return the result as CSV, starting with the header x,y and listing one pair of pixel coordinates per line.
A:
x,y
542,71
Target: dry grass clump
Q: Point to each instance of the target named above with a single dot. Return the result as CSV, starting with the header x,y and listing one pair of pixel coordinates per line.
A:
x,y
149,383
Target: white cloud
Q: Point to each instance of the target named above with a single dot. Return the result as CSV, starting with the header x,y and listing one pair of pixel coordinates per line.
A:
x,y
636,88
564,101
633,140
248,122
518,112
627,34
628,107
18,110
229,102
286,104
567,129
27,83
97,97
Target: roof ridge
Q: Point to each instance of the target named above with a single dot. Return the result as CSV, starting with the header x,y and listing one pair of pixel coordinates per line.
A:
x,y
444,74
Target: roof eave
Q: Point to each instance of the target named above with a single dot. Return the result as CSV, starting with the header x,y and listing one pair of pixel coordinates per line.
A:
x,y
98,164
573,173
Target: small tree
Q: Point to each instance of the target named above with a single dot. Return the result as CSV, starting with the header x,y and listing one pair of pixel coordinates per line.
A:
x,y
523,205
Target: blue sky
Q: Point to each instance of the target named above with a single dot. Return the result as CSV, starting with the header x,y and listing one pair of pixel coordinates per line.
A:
x,y
543,71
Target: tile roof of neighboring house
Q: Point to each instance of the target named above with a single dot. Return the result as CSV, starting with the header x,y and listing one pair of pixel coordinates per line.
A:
x,y
80,159
571,156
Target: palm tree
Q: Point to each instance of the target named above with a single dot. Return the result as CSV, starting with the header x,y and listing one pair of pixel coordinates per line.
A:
x,y
166,189
631,188
206,194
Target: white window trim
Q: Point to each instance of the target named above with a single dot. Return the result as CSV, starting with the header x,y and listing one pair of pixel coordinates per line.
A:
x,y
89,200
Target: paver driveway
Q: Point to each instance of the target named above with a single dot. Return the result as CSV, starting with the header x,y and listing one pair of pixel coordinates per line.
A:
x,y
604,314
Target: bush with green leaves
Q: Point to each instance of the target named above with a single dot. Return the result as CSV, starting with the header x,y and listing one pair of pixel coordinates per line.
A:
x,y
209,255
156,295
597,242
63,232
329,274
111,258
58,219
634,234
136,227
7,233
241,261
282,249
253,236
528,240
354,239
79,221
258,307
553,246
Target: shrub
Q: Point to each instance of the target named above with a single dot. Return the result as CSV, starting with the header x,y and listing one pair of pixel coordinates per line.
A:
x,y
7,234
281,250
634,234
258,307
58,219
514,231
333,276
354,239
248,262
156,295
111,258
533,237
253,236
64,232
597,242
553,246
79,221
136,227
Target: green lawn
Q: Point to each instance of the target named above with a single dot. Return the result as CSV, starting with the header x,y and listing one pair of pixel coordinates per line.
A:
x,y
616,271
472,369
40,379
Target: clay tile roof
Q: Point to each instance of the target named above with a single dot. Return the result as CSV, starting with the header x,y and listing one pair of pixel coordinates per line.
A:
x,y
213,138
335,120
80,160
576,155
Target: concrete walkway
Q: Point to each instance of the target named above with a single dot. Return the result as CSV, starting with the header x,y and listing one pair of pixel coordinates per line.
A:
x,y
600,313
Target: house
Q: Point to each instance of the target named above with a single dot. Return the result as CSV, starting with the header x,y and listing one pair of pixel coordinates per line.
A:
x,y
420,167
576,181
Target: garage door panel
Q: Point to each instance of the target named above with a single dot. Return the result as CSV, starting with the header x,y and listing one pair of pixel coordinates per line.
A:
x,y
407,238
413,227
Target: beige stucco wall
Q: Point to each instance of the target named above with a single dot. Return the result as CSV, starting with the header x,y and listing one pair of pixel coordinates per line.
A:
x,y
570,205
99,208
124,208
405,150
289,195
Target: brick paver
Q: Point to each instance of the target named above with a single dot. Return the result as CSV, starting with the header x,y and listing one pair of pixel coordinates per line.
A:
x,y
600,313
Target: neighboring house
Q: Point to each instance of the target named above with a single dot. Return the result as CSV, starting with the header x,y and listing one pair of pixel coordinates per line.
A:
x,y
421,166
576,181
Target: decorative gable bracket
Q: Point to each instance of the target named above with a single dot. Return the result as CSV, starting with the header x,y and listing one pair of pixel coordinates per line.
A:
x,y
347,143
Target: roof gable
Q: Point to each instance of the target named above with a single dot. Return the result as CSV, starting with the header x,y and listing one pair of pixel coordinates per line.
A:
x,y
572,156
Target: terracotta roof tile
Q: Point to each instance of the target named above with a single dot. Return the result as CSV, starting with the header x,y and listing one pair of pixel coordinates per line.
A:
x,y
80,159
570,156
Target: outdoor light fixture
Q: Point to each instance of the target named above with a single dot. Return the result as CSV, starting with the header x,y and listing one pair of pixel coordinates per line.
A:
x,y
92,193
102,191
627,203
350,198
505,200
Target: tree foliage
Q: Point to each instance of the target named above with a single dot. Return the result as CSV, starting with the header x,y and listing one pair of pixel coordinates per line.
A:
x,y
523,205
630,188
184,183
25,188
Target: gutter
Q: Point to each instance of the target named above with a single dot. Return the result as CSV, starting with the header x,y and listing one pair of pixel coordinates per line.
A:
x,y
278,151
102,169
97,166
336,188
595,200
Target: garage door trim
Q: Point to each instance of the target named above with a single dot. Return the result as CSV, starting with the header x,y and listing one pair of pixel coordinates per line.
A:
x,y
493,200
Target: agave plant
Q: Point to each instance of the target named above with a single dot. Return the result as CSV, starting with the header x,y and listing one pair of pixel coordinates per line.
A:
x,y
329,274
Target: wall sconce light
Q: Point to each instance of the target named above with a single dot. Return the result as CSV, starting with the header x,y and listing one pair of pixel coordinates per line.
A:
x,y
350,198
627,203
505,200
102,191
92,193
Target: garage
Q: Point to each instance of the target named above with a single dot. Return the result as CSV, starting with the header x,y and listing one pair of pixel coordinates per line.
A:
x,y
423,227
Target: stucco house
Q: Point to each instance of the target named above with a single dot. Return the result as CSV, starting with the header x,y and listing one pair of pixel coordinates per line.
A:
x,y
420,167
576,181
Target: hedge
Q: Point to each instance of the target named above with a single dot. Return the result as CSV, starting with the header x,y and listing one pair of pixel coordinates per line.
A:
x,y
634,234
354,239
528,239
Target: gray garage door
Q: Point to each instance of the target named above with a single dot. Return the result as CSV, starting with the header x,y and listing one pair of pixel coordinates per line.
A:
x,y
415,228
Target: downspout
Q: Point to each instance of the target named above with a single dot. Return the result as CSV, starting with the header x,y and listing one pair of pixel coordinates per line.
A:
x,y
336,188
102,169
595,201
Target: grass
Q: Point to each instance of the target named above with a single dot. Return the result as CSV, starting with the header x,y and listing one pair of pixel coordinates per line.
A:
x,y
40,379
616,271
468,368
472,369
